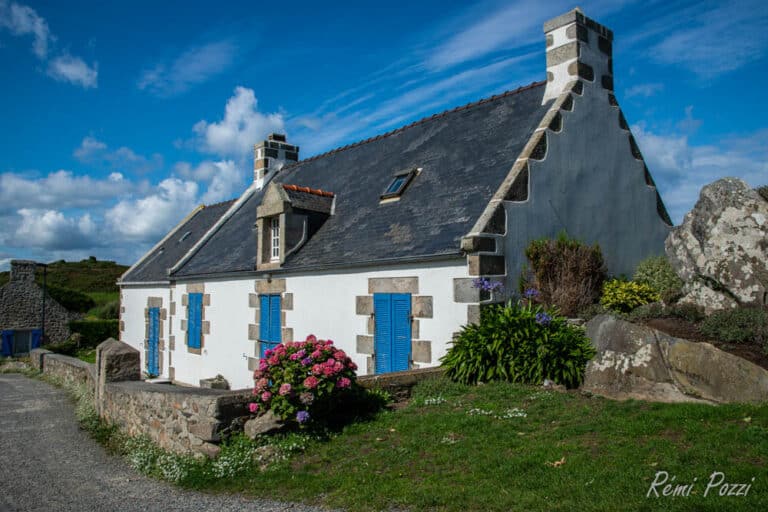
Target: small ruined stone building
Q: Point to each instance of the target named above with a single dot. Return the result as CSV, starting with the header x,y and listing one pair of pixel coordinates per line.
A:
x,y
376,245
21,312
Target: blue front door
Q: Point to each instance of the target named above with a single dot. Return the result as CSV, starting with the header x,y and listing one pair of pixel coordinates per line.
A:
x,y
392,336
269,322
153,354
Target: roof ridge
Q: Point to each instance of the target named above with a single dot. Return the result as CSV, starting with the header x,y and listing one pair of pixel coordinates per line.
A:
x,y
307,190
220,203
469,105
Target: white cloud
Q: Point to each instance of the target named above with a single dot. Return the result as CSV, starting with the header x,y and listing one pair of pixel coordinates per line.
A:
x,y
714,39
60,189
21,20
643,90
328,131
682,169
95,152
66,68
192,67
149,218
513,25
243,125
225,179
51,229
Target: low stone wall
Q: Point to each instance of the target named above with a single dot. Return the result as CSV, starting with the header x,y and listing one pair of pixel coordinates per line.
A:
x,y
179,419
36,356
399,384
69,369
183,420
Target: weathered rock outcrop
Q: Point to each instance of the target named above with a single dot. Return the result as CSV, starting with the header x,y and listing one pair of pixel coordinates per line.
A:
x,y
636,361
721,248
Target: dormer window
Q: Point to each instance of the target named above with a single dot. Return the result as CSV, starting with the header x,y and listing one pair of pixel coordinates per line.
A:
x,y
275,238
398,184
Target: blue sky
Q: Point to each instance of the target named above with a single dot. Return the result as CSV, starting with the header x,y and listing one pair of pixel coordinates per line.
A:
x,y
118,118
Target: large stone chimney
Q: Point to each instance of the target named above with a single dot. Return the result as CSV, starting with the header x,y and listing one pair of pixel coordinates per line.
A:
x,y
577,47
23,270
271,155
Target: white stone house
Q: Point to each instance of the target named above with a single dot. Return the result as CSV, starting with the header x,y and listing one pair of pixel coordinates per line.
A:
x,y
375,245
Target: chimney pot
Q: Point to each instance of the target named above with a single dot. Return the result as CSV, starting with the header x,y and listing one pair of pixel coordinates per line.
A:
x,y
270,155
23,270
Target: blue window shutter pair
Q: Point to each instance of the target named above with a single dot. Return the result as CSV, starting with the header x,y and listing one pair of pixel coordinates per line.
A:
x,y
37,338
153,356
269,322
392,334
194,319
7,345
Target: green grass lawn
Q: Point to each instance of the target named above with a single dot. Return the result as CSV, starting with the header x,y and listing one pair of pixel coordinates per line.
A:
x,y
470,448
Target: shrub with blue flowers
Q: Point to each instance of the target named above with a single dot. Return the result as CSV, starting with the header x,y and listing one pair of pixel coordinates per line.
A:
x,y
519,342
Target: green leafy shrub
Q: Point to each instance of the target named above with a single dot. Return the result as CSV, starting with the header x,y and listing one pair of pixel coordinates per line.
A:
x,y
647,311
72,300
624,296
690,312
94,332
739,325
108,311
519,342
658,273
567,273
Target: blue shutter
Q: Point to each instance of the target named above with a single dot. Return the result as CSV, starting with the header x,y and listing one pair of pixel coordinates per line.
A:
x,y
194,319
37,338
7,344
274,319
401,327
382,310
154,340
269,322
263,319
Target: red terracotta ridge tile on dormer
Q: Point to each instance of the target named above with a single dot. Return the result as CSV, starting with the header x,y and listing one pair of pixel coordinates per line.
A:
x,y
307,190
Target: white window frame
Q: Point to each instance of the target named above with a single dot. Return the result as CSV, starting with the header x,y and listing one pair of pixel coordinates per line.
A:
x,y
274,232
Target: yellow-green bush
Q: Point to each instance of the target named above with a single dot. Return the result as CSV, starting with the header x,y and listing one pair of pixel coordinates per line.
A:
x,y
657,272
624,296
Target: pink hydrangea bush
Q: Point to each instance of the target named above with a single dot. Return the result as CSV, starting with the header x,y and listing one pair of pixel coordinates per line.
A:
x,y
296,378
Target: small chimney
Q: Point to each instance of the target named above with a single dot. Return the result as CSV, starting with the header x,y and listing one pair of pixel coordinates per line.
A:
x,y
271,155
577,47
23,270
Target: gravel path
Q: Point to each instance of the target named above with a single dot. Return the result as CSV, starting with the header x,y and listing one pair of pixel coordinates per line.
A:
x,y
48,464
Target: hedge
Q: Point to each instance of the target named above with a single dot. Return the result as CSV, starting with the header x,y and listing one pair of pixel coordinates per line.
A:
x,y
94,331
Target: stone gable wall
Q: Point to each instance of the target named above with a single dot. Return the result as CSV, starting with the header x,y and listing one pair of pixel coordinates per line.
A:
x,y
20,308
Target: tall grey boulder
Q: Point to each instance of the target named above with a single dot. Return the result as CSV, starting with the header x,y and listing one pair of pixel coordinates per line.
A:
x,y
721,248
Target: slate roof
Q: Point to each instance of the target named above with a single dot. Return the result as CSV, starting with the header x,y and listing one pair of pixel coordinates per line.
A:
x,y
463,155
311,199
155,266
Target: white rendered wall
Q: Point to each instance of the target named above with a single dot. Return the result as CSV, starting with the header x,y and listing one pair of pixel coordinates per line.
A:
x,y
134,300
324,305
226,348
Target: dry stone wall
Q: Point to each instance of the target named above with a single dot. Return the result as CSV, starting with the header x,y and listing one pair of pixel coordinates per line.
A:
x,y
179,419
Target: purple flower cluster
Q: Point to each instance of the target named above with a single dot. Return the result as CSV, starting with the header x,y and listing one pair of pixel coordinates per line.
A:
x,y
543,318
487,285
530,293
302,416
